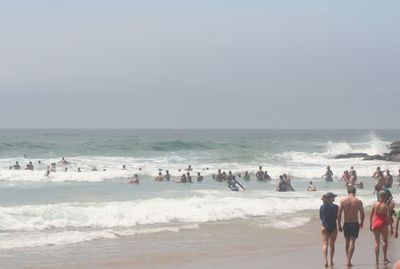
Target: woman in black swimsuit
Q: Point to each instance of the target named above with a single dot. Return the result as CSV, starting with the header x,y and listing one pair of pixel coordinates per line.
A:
x,y
328,215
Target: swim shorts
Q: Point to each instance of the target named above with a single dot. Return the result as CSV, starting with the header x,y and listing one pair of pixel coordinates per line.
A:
x,y
351,229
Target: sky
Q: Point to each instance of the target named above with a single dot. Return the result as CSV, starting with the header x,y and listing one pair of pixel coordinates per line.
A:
x,y
200,64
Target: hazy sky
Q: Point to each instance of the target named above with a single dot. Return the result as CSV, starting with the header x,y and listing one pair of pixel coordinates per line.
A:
x,y
200,64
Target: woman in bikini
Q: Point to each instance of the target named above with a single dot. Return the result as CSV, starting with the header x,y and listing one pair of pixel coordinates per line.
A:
x,y
328,215
379,222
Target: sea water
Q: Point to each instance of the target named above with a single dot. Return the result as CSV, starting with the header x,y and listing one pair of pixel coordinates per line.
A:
x,y
70,207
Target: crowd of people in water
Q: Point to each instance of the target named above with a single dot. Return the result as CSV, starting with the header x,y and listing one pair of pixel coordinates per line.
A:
x,y
349,177
384,219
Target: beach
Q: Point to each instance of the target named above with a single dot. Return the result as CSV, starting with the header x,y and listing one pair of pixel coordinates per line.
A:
x,y
96,219
219,245
197,134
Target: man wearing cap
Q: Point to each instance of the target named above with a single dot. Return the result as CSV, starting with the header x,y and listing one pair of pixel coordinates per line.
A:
x,y
351,206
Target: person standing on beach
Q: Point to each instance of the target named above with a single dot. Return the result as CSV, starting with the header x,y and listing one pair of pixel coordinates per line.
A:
x,y
328,215
379,222
351,207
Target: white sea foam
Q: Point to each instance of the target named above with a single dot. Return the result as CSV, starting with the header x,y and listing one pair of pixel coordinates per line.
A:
x,y
59,238
69,223
373,146
195,209
286,223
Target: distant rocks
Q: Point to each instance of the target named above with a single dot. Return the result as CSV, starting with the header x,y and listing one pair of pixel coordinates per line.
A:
x,y
395,146
351,155
384,157
393,155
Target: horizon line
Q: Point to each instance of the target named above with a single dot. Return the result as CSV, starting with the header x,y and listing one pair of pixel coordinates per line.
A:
x,y
194,129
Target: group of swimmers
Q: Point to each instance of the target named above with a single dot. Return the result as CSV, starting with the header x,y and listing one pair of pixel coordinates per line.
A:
x,y
52,167
17,166
222,176
385,180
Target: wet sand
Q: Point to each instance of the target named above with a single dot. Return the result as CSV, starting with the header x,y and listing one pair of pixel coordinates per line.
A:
x,y
234,244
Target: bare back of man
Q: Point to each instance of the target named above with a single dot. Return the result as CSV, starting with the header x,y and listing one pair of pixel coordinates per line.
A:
x,y
351,206
352,209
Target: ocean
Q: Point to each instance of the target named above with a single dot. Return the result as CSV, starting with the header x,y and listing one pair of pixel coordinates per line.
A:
x,y
70,207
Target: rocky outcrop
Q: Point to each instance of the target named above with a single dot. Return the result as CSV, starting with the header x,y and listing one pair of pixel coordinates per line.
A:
x,y
395,146
351,155
376,157
393,155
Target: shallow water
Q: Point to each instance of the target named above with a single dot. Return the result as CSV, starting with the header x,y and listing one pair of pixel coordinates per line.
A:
x,y
69,208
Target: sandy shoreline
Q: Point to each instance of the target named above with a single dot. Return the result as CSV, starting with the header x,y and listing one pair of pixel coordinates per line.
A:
x,y
234,244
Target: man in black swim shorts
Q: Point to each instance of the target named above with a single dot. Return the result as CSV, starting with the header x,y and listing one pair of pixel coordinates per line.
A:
x,y
351,229
352,208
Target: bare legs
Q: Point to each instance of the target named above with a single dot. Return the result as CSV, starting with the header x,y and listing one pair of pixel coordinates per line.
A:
x,y
325,241
385,236
350,245
332,241
328,239
377,237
